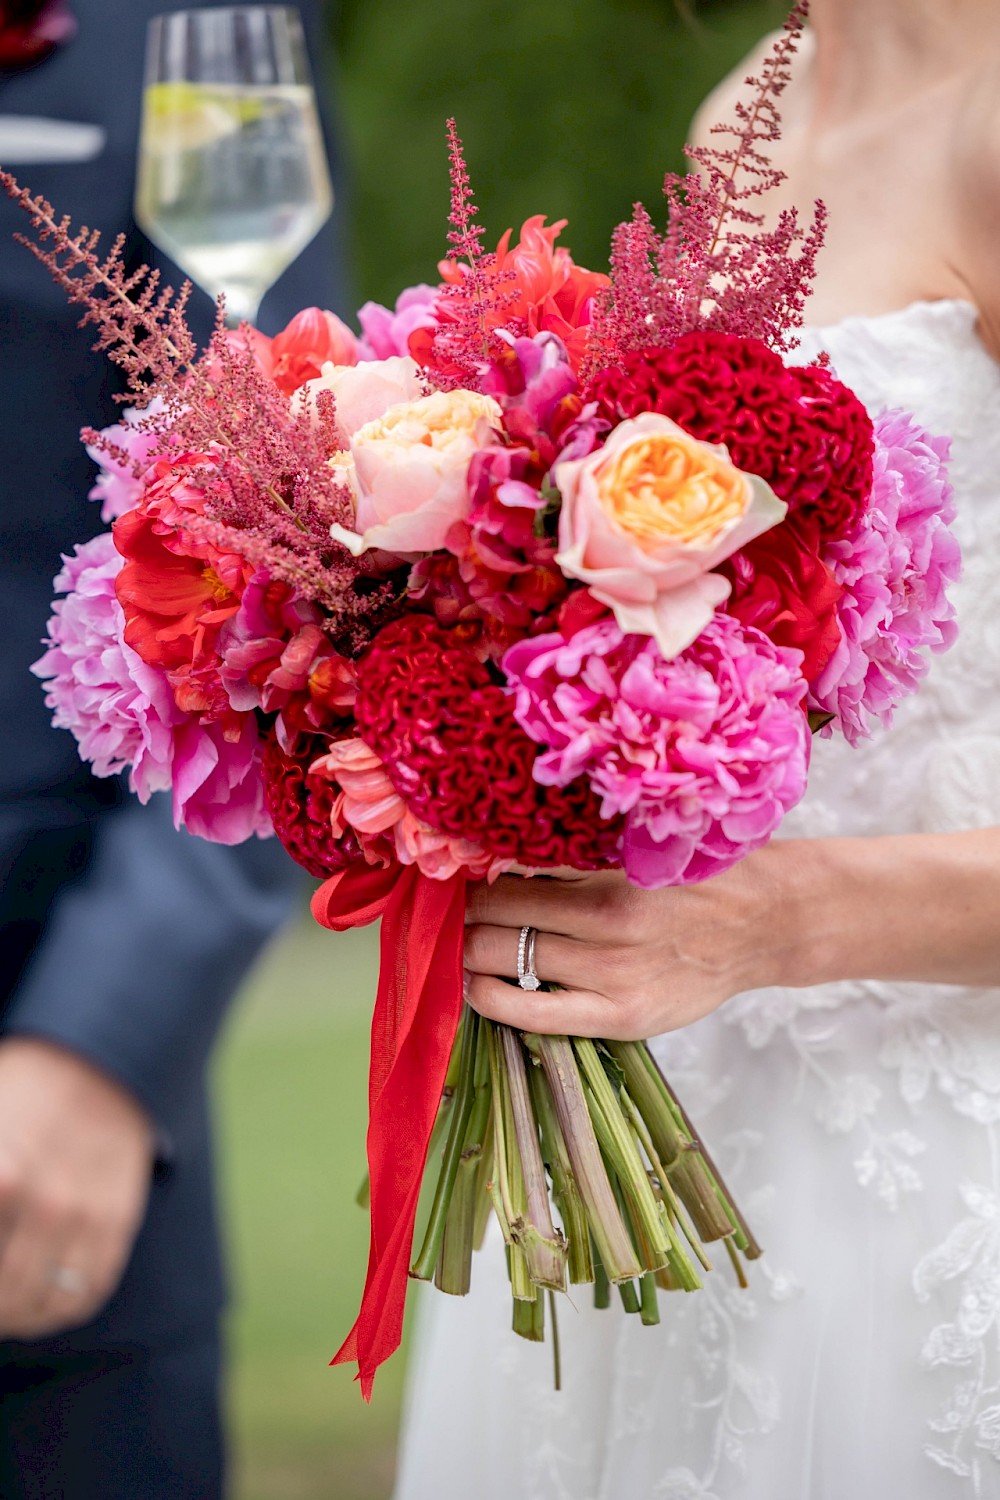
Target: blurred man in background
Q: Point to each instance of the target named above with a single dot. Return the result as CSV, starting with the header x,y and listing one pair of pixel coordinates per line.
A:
x,y
121,940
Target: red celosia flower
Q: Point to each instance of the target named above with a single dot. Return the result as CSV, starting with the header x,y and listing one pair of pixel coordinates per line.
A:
x,y
798,428
782,586
445,729
300,806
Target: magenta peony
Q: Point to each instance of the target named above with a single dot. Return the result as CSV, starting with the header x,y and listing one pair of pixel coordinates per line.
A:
x,y
703,754
895,567
386,332
123,715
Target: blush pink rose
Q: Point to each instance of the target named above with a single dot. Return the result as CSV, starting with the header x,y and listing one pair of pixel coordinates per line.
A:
x,y
644,520
365,392
410,471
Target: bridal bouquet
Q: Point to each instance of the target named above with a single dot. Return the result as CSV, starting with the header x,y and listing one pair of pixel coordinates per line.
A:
x,y
546,570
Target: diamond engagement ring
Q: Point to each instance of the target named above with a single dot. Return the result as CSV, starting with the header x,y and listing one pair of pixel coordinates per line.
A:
x,y
526,976
68,1280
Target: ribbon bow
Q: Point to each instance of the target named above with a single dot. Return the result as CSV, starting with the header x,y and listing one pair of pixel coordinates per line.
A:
x,y
416,1017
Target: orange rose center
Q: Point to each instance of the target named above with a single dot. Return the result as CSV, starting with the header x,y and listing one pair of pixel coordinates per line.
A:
x,y
661,489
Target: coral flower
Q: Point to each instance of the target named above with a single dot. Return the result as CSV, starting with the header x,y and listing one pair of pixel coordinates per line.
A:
x,y
298,353
177,589
550,293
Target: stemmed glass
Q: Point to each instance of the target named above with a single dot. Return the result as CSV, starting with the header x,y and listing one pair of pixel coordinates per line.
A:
x,y
232,178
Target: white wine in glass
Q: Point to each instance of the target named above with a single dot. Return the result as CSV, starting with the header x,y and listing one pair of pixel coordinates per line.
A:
x,y
232,179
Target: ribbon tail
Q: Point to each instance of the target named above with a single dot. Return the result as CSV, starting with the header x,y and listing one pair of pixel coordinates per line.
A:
x,y
414,1024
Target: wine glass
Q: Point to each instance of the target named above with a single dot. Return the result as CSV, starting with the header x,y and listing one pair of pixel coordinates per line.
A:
x,y
232,178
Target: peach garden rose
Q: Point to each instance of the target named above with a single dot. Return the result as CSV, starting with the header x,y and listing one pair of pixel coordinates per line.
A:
x,y
410,470
646,518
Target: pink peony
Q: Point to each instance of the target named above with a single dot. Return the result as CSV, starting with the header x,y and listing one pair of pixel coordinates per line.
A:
x,y
703,754
369,803
646,518
123,715
387,332
895,568
117,486
217,781
120,711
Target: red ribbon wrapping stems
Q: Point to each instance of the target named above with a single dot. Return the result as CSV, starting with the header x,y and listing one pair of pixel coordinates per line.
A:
x,y
416,1017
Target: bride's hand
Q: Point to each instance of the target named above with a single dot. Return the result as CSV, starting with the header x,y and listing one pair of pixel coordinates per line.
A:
x,y
631,963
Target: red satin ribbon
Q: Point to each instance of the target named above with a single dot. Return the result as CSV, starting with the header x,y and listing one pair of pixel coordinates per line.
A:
x,y
416,1017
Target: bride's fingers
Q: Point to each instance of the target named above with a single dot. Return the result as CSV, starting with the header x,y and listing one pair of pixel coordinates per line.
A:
x,y
570,1012
587,908
559,960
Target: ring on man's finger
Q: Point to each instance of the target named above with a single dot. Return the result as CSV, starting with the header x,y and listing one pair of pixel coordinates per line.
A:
x,y
68,1279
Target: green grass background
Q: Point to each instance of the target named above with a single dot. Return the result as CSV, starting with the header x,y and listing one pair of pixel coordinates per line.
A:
x,y
575,108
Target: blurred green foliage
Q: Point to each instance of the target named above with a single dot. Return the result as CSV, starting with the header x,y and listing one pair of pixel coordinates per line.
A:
x,y
574,109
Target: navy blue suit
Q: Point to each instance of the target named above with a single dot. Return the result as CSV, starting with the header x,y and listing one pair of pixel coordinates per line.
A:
x,y
121,938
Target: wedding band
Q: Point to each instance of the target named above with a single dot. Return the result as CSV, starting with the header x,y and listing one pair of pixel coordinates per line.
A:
x,y
68,1280
526,976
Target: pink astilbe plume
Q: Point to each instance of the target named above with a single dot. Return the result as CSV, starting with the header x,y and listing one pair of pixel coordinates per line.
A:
x,y
467,307
270,493
715,267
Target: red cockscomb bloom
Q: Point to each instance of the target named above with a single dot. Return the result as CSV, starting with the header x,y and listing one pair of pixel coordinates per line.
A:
x,y
797,427
446,732
782,586
300,806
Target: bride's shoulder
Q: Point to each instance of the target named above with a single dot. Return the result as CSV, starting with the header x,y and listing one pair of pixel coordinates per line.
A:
x,y
719,105
975,167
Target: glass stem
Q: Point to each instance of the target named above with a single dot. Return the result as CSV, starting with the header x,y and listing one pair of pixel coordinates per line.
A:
x,y
242,305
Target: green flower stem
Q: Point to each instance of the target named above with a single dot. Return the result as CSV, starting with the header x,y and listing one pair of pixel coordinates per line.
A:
x,y
483,1197
529,1317
743,1238
453,1272
564,1188
424,1266
543,1245
602,1286
556,1349
555,1053
675,1213
648,1218
675,1142
737,1265
509,1193
649,1308
629,1296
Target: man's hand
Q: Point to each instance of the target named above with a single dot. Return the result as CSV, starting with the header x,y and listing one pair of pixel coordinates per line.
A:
x,y
76,1153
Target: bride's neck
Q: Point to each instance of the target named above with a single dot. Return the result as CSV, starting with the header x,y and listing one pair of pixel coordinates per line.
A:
x,y
881,51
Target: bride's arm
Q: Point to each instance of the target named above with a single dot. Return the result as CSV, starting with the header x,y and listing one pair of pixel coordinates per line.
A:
x,y
923,907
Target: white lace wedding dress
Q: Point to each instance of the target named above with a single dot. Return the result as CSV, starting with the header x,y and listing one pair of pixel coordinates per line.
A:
x,y
858,1124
